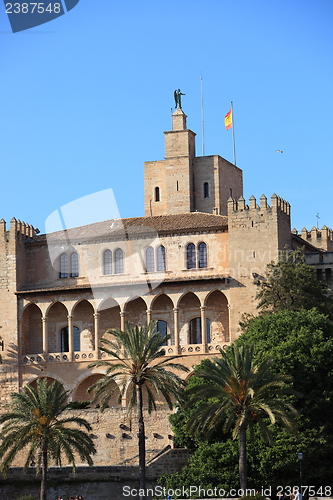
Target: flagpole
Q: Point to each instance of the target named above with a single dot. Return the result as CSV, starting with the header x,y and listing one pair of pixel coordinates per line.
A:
x,y
233,131
202,120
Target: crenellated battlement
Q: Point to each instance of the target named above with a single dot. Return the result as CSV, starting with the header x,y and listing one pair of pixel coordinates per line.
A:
x,y
17,226
320,238
277,204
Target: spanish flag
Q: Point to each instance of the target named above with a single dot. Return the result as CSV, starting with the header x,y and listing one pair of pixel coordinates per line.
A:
x,y
228,120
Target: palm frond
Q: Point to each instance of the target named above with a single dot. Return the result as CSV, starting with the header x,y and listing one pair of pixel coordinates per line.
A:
x,y
35,423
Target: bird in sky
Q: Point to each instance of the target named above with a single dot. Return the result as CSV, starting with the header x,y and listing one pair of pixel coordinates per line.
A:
x,y
279,151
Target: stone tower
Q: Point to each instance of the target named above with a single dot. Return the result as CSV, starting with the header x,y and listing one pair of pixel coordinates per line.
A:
x,y
182,182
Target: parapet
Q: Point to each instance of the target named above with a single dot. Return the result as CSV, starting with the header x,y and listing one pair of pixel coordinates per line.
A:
x,y
277,204
16,226
320,238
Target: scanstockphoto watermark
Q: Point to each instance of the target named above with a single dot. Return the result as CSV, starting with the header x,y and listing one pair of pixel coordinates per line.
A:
x,y
184,492
24,15
190,492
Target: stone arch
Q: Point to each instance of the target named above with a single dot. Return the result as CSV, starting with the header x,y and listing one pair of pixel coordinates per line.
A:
x,y
81,394
52,304
217,310
159,400
32,330
189,308
57,319
109,316
28,305
162,309
83,318
77,303
136,311
50,380
189,375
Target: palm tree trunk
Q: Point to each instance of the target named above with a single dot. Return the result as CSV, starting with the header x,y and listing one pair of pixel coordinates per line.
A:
x,y
43,484
242,458
142,443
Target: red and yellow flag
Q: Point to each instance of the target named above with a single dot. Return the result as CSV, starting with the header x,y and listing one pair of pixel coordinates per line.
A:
x,y
228,120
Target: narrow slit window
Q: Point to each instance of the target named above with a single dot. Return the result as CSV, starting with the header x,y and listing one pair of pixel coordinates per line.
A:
x,y
206,190
157,193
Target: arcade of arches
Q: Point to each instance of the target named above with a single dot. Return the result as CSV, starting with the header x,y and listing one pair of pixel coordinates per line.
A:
x,y
67,333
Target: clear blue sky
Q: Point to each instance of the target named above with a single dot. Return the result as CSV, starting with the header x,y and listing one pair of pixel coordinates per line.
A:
x,y
86,98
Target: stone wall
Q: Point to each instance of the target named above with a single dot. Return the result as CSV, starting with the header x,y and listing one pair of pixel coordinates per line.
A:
x,y
93,483
114,433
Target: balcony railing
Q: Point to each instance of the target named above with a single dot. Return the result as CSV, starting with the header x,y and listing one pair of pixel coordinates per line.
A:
x,y
170,350
57,357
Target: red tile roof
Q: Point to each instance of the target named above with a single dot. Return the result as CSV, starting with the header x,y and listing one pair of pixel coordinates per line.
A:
x,y
140,226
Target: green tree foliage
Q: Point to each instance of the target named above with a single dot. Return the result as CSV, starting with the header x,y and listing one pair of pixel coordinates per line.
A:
x,y
292,285
179,420
140,367
301,342
212,465
35,423
242,392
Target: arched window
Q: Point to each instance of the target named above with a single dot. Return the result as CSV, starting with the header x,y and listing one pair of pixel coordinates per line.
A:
x,y
150,260
206,190
107,262
65,339
157,193
191,260
161,327
74,265
63,266
161,258
202,254
195,331
119,261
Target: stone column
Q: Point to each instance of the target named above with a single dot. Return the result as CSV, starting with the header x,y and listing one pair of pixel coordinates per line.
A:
x,y
45,338
122,321
20,340
96,330
70,338
203,328
176,328
148,316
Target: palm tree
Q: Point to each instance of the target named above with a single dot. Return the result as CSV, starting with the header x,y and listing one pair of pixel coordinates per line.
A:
x,y
35,422
141,367
241,391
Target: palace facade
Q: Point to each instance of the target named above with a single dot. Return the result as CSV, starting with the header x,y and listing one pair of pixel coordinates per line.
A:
x,y
189,264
